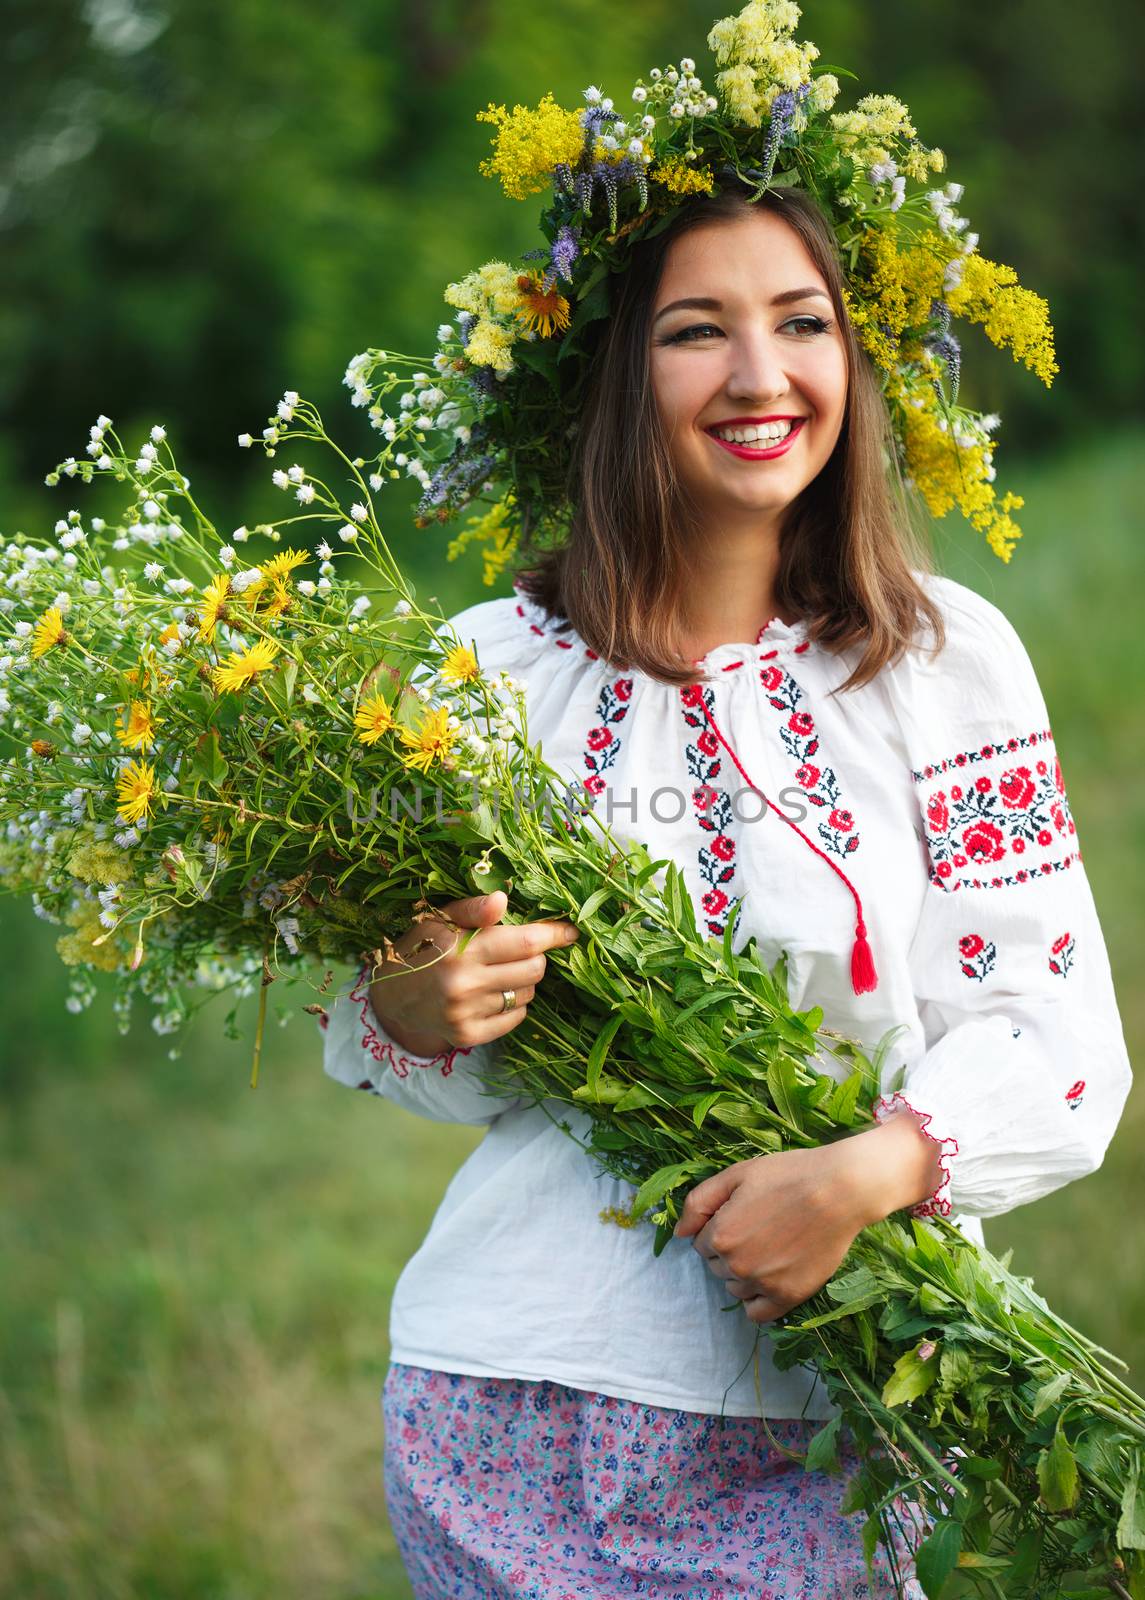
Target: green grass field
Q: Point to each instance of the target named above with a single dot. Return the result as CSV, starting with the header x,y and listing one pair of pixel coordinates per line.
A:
x,y
195,1278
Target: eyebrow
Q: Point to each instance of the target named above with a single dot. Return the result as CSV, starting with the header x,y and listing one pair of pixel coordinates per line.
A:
x,y
703,304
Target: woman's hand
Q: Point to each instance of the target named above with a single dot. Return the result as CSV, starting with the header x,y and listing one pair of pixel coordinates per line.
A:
x,y
428,1001
776,1227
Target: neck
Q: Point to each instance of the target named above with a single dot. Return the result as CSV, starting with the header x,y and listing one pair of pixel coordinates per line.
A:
x,y
731,584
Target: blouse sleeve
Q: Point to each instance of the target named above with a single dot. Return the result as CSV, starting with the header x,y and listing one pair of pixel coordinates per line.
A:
x,y
1025,1071
358,1052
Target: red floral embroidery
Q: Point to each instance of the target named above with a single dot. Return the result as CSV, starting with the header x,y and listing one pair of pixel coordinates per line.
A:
x,y
1074,1094
713,808
1061,954
602,744
977,955
1018,809
801,741
383,1049
938,1203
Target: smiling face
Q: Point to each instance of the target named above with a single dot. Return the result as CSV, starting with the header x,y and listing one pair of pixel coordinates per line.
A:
x,y
754,352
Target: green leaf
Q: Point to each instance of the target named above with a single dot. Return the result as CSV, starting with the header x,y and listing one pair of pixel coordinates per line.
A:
x,y
208,763
823,1449
1131,1524
663,1182
1057,1474
593,902
599,1050
637,1098
704,1105
1051,1392
784,1088
910,1378
937,1555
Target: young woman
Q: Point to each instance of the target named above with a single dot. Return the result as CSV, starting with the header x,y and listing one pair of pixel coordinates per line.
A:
x,y
742,659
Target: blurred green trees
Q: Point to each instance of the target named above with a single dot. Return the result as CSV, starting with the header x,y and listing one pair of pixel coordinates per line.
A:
x,y
203,202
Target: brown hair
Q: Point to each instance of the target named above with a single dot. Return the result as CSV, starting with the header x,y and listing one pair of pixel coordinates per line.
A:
x,y
848,542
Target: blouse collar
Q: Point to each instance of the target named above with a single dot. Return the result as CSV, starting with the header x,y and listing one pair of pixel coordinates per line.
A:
x,y
773,639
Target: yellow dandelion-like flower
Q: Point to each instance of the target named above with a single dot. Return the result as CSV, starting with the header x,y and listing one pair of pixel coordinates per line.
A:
x,y
529,144
49,630
459,666
170,634
541,308
675,175
139,730
137,789
373,718
432,741
492,531
279,600
242,667
280,566
212,607
44,748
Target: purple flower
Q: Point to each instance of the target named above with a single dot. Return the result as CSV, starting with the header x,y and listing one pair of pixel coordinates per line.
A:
x,y
946,347
565,251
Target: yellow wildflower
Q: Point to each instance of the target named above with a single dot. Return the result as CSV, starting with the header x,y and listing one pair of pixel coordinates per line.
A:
x,y
1014,318
44,748
94,861
212,608
280,566
137,789
431,741
949,474
170,634
541,308
867,132
279,600
492,530
488,290
529,144
139,730
242,666
373,718
618,1215
490,345
919,162
80,948
760,60
678,177
49,630
459,666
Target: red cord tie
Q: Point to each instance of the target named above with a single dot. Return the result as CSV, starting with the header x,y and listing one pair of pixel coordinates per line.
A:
x,y
864,978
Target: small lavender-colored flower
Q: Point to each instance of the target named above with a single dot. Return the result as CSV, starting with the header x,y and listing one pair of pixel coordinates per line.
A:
x,y
565,249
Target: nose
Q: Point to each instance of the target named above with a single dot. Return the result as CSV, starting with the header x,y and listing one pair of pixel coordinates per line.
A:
x,y
757,372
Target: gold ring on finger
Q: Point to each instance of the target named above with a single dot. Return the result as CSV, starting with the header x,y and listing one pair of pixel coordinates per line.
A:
x,y
508,999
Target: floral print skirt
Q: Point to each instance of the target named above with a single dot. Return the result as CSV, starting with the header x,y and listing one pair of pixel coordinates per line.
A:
x,y
501,1487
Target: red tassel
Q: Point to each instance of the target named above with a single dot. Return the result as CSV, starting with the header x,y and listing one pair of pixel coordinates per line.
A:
x,y
864,978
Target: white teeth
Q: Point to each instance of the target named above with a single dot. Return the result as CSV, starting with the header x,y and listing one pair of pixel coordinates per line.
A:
x,y
767,433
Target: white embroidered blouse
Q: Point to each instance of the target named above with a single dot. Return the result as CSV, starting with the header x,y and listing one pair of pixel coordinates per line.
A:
x,y
936,792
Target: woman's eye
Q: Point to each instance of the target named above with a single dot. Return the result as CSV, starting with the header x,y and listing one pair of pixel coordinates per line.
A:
x,y
685,334
817,324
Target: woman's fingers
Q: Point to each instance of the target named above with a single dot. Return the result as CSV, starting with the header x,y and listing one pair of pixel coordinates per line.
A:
x,y
498,944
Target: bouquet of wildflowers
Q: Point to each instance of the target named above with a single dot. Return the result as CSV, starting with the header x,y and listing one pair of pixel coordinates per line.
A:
x,y
198,742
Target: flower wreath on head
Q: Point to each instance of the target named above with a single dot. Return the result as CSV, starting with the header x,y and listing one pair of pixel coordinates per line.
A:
x,y
492,424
